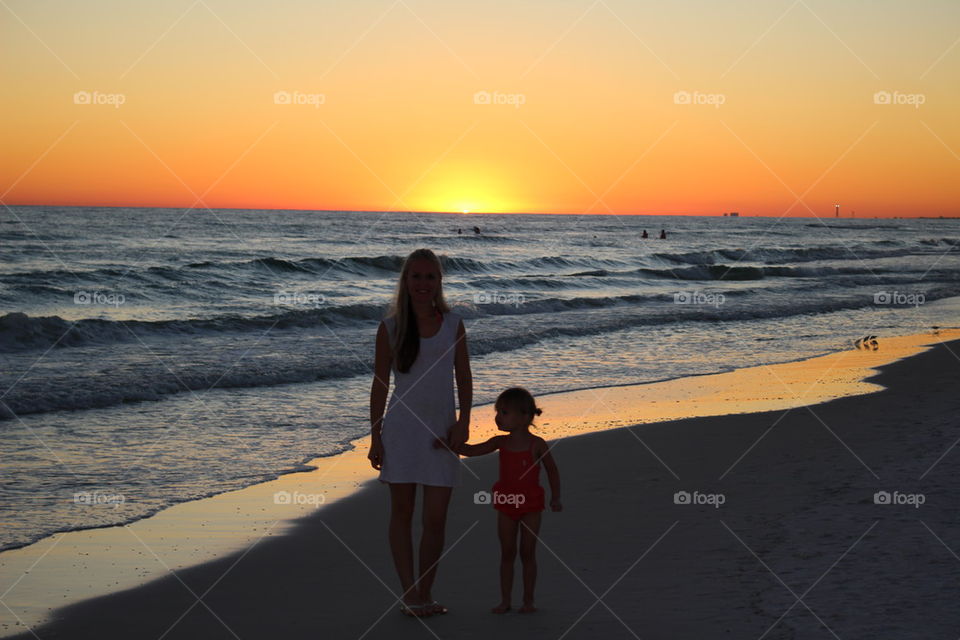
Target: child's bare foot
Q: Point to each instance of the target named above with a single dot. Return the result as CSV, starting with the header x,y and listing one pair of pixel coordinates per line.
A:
x,y
527,608
503,607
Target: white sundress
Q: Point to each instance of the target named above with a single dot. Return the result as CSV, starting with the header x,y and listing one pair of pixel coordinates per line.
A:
x,y
422,408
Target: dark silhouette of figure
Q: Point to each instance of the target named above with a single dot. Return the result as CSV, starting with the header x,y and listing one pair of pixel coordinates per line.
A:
x,y
644,234
663,234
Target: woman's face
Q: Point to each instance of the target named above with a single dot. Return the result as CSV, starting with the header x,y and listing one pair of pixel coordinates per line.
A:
x,y
423,281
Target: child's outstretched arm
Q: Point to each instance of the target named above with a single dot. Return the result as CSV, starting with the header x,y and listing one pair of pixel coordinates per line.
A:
x,y
553,476
481,449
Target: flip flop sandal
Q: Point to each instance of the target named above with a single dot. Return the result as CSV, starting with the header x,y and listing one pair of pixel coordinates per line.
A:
x,y
415,610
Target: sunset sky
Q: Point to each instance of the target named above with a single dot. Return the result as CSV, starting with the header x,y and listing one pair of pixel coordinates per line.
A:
x,y
766,107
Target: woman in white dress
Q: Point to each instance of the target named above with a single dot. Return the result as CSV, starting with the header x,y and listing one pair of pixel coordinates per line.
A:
x,y
424,345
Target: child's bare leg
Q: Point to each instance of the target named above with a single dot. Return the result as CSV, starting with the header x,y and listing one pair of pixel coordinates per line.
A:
x,y
529,534
507,530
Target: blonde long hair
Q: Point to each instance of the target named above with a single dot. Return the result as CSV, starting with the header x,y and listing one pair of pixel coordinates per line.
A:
x,y
406,337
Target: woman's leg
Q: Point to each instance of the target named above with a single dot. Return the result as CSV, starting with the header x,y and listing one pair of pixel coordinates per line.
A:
x,y
507,529
529,534
435,503
403,497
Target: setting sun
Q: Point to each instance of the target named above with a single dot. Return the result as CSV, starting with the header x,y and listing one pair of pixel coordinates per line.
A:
x,y
466,189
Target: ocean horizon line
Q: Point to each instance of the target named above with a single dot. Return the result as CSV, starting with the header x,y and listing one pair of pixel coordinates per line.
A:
x,y
489,213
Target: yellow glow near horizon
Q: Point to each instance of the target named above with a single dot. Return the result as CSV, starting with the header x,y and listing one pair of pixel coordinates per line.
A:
x,y
465,189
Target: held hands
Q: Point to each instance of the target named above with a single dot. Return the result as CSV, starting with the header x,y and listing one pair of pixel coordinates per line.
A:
x,y
460,449
555,504
459,434
456,437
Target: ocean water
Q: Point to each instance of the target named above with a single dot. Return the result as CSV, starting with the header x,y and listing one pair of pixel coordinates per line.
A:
x,y
153,356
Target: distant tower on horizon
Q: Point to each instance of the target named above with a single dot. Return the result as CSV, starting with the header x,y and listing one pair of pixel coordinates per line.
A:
x,y
836,211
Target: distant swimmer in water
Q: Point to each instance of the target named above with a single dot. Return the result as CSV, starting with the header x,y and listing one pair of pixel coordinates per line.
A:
x,y
460,231
644,234
663,234
476,229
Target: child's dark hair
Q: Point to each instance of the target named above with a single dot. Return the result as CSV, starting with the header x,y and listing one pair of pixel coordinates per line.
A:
x,y
519,399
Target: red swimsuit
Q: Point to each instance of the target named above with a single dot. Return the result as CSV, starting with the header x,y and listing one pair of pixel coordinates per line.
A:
x,y
518,490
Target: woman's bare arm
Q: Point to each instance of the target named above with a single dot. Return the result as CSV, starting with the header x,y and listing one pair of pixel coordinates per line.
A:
x,y
383,358
464,376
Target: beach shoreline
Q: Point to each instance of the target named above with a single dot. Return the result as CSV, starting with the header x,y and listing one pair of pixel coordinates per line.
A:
x,y
179,538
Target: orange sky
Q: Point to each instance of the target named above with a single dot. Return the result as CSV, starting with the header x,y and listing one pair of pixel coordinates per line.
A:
x,y
699,107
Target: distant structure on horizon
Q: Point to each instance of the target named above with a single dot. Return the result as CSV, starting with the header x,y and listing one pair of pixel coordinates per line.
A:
x,y
733,214
836,211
